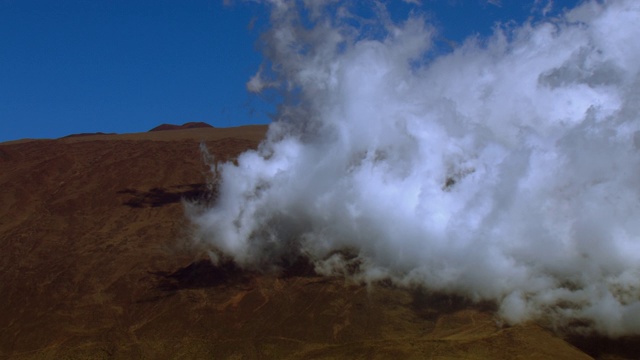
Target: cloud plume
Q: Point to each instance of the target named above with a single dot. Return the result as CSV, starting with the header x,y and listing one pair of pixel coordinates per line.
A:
x,y
505,170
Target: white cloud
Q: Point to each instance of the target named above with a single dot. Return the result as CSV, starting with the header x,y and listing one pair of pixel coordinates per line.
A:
x,y
507,171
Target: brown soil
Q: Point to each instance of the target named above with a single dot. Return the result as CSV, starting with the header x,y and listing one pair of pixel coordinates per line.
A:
x,y
97,264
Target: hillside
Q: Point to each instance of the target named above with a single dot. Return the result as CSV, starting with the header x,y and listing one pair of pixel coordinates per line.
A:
x,y
97,263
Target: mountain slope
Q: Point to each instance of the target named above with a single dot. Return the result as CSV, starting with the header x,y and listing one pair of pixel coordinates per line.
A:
x,y
97,263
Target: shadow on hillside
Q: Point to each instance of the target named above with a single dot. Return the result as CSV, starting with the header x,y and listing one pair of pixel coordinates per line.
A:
x,y
201,274
4,155
430,305
599,346
298,267
204,274
157,197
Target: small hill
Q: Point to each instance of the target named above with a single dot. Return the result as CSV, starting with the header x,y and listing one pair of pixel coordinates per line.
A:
x,y
189,125
87,134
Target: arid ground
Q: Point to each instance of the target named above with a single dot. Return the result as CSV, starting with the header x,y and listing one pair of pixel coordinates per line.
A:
x,y
97,263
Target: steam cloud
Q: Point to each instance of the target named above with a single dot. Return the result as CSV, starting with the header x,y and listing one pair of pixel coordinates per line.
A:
x,y
507,169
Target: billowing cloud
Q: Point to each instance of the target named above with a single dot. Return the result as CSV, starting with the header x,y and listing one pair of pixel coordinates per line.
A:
x,y
507,170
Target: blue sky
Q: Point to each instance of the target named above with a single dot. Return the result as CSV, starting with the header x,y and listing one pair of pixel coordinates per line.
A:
x,y
73,66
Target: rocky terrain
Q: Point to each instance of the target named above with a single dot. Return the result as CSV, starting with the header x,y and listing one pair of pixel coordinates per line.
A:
x,y
97,263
